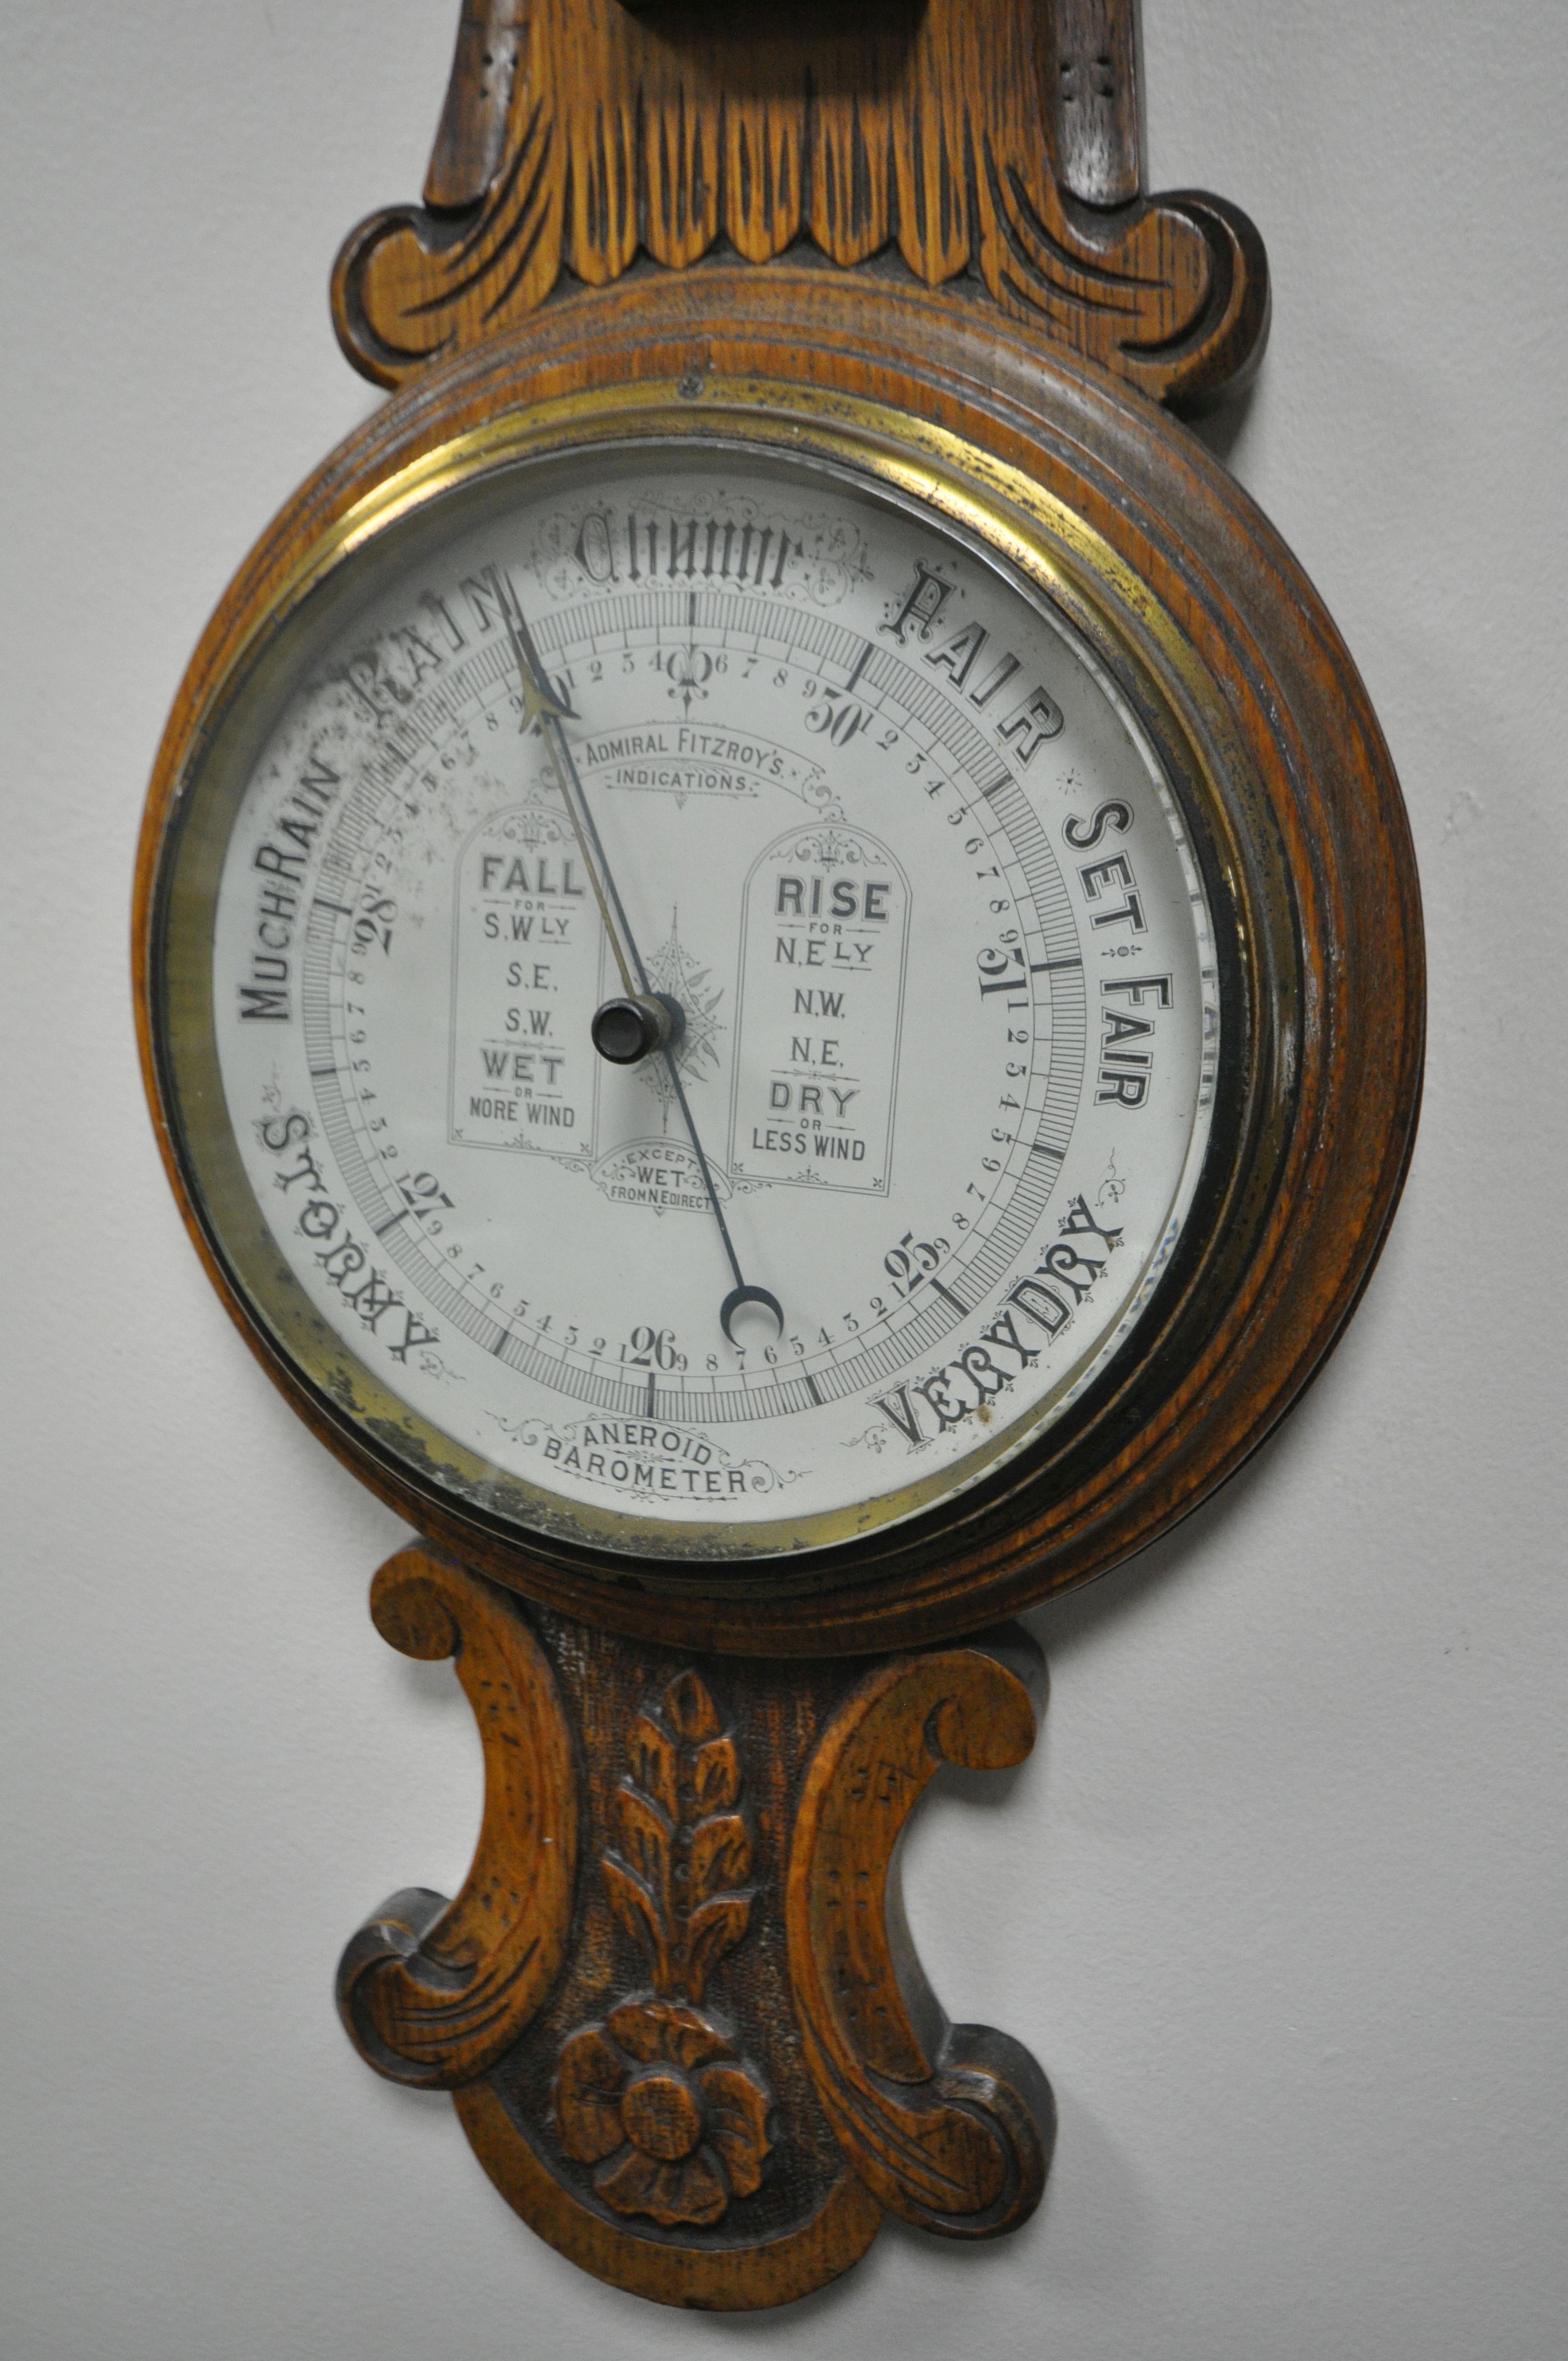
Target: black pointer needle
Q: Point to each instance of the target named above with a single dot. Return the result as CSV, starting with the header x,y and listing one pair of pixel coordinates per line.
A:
x,y
538,704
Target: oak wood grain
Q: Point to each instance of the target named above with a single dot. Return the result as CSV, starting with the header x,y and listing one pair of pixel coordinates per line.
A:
x,y
949,2125
675,1999
718,2064
432,1993
992,141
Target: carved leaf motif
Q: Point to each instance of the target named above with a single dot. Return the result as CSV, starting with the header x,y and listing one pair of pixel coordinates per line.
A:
x,y
720,1855
716,1775
652,1761
711,1931
635,1908
762,165
643,1833
692,1710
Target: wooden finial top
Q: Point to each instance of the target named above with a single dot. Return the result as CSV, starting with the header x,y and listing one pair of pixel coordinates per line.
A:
x,y
994,144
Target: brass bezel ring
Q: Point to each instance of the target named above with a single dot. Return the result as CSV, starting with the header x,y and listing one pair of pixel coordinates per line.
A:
x,y
1262,895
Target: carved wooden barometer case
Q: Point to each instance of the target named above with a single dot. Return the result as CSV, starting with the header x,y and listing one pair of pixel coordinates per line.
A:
x,y
779,970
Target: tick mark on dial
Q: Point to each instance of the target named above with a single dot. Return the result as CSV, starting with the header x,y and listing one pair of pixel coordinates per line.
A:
x,y
947,1294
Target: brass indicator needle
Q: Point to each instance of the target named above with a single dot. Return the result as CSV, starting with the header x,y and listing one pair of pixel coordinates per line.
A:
x,y
646,1021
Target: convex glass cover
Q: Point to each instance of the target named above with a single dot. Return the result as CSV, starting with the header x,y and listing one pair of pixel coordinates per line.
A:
x,y
817,773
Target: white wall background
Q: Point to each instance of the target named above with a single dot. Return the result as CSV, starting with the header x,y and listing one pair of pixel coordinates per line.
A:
x,y
1280,1900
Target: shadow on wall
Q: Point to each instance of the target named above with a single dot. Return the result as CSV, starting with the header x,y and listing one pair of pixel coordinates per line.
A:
x,y
1083,1617
1222,429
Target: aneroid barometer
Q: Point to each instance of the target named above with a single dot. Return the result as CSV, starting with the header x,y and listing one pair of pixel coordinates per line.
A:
x,y
780,974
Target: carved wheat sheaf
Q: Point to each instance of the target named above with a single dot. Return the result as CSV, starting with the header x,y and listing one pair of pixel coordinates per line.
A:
x,y
577,135
676,1880
655,2098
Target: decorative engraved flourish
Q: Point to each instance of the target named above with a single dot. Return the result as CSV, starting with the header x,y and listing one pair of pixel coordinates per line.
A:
x,y
672,969
432,1993
655,2098
834,848
991,137
949,2125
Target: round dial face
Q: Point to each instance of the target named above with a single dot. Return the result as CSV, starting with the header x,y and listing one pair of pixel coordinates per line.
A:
x,y
885,1158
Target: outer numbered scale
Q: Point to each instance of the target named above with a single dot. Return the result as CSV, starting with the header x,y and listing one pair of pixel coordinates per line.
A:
x,y
779,973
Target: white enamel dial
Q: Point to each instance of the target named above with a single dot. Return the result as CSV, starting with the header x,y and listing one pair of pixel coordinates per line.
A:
x,y
890,837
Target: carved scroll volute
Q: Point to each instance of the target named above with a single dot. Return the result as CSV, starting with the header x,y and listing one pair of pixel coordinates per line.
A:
x,y
949,2125
996,139
432,1993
